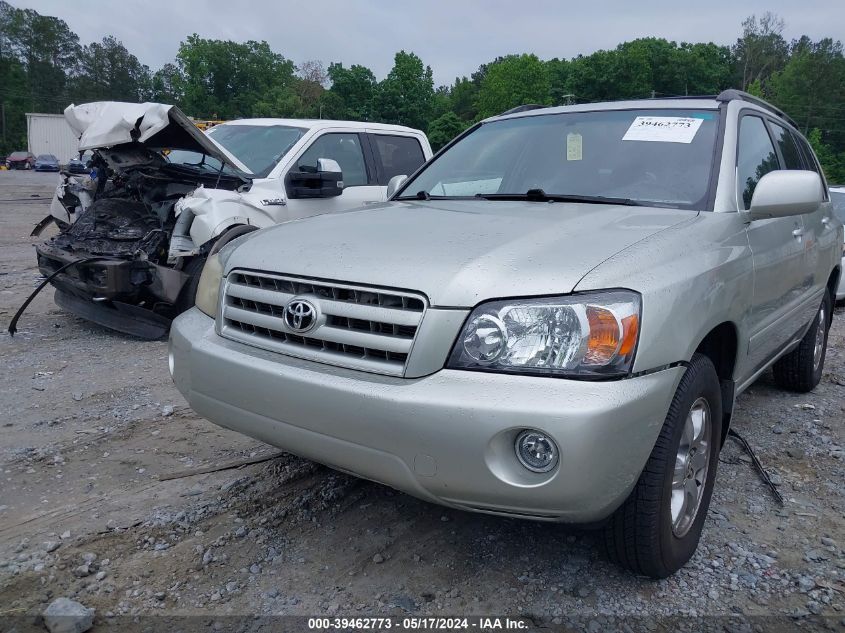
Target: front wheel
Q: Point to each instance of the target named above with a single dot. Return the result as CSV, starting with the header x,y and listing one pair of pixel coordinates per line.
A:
x,y
656,531
189,291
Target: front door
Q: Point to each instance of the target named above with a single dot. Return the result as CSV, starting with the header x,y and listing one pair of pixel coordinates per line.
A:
x,y
777,247
359,183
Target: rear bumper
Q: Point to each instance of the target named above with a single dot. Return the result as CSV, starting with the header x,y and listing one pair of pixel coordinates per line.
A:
x,y
447,437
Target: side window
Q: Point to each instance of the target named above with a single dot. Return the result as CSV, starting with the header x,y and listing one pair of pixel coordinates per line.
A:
x,y
810,162
755,159
397,155
345,149
792,158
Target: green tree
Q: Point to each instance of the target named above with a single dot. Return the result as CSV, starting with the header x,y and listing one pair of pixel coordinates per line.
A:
x,y
109,72
463,96
832,162
761,51
514,80
444,128
309,86
811,87
406,95
704,69
48,51
355,87
228,79
167,85
14,103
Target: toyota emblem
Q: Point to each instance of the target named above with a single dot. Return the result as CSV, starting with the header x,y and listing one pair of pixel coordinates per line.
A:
x,y
300,315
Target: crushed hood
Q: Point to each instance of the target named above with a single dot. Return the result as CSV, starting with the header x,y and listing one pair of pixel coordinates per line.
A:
x,y
107,124
458,253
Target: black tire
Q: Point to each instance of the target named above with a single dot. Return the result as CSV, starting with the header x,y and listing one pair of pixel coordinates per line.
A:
x,y
800,370
641,535
188,294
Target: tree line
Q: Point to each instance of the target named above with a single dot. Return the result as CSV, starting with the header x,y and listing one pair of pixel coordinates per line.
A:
x,y
44,67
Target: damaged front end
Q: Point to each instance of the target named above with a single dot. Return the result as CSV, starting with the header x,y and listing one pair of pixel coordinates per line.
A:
x,y
113,261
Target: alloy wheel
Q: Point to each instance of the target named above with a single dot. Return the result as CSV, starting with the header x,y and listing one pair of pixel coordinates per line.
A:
x,y
692,462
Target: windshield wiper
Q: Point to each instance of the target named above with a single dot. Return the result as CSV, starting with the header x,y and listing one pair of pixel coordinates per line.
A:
x,y
424,195
538,195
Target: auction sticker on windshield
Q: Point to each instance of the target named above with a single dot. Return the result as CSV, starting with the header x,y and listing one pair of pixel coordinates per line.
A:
x,y
663,129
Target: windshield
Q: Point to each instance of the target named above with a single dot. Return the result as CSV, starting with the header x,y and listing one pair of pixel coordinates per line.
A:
x,y
196,160
259,147
660,157
838,200
46,157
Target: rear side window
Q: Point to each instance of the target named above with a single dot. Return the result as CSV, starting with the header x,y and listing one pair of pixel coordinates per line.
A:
x,y
810,161
396,155
756,157
343,148
788,147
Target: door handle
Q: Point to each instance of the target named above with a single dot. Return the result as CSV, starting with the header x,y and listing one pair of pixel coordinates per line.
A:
x,y
826,222
798,233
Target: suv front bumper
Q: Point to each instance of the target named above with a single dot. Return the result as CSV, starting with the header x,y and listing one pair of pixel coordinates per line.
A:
x,y
447,438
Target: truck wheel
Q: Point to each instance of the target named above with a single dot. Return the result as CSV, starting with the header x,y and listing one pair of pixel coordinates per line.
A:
x,y
801,369
656,531
188,294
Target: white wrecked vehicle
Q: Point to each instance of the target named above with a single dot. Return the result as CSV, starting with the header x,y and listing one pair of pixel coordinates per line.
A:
x,y
161,195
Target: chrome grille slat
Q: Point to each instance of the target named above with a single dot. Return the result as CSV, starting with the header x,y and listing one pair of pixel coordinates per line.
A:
x,y
364,312
369,329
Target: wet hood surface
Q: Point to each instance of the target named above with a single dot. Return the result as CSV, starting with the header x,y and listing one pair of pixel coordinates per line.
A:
x,y
456,252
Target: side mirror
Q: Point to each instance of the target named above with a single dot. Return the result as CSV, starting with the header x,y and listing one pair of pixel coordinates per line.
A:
x,y
324,181
786,192
394,183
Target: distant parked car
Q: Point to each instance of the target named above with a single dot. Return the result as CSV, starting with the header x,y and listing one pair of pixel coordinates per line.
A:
x,y
46,162
20,160
837,197
79,165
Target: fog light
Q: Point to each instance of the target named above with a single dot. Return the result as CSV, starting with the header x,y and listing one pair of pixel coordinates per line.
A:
x,y
536,451
170,363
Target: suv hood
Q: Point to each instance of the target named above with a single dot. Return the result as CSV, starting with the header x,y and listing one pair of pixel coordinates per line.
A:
x,y
458,253
108,124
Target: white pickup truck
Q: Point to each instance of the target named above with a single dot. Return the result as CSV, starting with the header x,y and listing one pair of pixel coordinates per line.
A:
x,y
160,195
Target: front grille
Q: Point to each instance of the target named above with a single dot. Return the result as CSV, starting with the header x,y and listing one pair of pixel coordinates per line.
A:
x,y
370,329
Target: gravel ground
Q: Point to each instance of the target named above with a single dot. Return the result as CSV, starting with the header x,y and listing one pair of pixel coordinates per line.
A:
x,y
92,422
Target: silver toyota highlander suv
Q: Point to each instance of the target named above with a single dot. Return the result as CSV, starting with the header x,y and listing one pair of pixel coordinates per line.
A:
x,y
551,319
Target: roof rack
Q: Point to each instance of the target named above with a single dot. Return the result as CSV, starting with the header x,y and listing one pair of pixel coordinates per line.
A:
x,y
732,94
676,97
523,108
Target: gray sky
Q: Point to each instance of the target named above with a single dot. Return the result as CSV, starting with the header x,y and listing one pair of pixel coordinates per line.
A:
x,y
453,37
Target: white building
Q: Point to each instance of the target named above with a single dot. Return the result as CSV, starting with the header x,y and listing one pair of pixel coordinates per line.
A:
x,y
51,134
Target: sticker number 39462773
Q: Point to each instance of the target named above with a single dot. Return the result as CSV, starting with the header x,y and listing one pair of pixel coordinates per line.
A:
x,y
663,129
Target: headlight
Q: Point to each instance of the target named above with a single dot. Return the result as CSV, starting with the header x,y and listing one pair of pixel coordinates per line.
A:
x,y
208,289
582,335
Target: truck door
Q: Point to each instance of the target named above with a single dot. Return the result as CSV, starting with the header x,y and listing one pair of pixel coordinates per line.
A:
x,y
360,185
